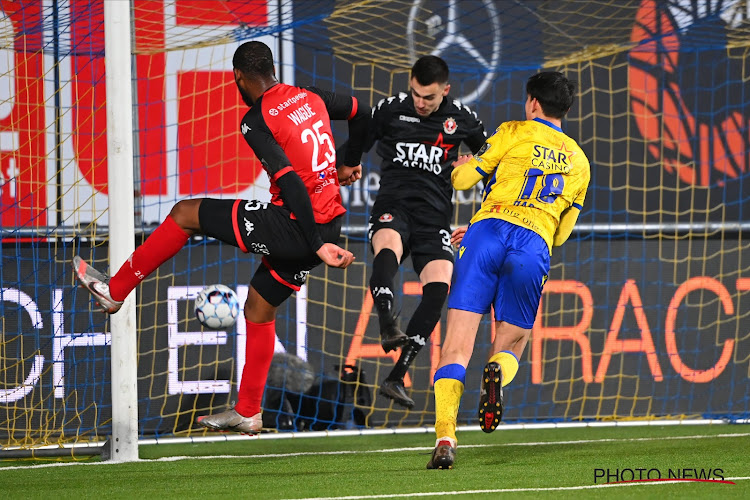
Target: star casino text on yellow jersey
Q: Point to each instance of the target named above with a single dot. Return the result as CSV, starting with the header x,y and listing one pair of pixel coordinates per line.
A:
x,y
534,172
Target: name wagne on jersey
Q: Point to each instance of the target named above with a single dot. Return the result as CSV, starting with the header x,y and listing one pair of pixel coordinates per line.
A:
x,y
415,155
299,115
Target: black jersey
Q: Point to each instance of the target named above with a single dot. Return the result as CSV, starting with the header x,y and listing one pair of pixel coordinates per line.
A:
x,y
418,151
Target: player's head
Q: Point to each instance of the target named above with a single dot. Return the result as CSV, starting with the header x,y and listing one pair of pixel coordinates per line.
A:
x,y
253,66
429,84
553,92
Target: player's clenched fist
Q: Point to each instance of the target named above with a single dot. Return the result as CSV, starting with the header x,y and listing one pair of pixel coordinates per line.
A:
x,y
349,175
335,256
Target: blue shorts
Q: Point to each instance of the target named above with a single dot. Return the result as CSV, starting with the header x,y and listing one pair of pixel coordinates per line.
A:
x,y
500,264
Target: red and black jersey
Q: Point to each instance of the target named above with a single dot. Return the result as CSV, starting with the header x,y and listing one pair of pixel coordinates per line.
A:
x,y
289,130
418,151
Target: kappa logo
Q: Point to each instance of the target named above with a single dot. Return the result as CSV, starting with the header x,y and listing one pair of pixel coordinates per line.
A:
x,y
245,129
419,340
249,227
386,218
381,290
450,126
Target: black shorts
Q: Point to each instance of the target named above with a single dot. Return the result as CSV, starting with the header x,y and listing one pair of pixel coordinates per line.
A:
x,y
425,234
266,229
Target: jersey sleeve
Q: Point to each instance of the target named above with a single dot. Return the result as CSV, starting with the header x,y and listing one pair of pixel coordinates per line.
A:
x,y
260,139
476,135
484,163
380,120
345,107
578,202
291,188
581,195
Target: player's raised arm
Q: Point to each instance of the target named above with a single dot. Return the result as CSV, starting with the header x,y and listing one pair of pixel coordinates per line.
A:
x,y
469,170
477,136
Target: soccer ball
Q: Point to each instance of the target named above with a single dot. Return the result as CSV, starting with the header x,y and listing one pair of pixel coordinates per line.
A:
x,y
217,306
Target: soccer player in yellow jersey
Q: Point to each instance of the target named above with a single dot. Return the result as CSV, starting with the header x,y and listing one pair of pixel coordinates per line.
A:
x,y
536,179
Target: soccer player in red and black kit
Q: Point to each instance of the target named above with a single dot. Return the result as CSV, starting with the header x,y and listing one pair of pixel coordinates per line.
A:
x,y
289,130
418,136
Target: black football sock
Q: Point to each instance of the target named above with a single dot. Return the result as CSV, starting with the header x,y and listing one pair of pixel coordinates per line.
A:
x,y
421,325
384,269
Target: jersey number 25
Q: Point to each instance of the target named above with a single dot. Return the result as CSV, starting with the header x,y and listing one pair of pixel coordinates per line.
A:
x,y
319,139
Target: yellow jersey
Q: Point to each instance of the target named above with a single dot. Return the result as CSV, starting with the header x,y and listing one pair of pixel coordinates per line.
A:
x,y
532,171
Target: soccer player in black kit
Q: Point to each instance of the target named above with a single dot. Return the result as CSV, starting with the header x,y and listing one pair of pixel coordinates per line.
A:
x,y
289,130
418,135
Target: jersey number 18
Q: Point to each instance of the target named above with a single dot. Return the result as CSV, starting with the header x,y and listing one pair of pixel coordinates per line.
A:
x,y
552,186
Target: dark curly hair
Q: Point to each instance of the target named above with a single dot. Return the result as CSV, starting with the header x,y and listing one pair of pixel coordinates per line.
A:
x,y
253,58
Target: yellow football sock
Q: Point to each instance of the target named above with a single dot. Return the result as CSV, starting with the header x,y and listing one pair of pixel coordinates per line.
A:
x,y
508,365
448,392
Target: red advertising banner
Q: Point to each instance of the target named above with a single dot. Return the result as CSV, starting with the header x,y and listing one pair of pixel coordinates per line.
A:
x,y
53,106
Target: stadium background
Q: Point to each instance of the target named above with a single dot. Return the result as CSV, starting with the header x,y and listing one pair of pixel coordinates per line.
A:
x,y
646,312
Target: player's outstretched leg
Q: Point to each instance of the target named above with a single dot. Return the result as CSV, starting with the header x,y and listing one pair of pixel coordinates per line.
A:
x,y
491,397
164,243
444,454
230,420
384,268
425,317
97,283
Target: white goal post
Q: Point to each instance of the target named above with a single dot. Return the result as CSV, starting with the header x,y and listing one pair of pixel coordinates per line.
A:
x,y
123,445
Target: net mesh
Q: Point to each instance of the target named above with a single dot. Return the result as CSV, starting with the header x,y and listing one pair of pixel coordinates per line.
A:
x,y
644,316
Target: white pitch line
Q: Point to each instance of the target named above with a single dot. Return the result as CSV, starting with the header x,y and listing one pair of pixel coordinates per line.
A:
x,y
509,490
386,450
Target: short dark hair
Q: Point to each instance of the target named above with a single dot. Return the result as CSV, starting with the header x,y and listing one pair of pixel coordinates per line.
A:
x,y
554,92
253,58
430,69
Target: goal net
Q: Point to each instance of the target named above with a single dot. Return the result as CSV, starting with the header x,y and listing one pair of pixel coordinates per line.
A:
x,y
646,310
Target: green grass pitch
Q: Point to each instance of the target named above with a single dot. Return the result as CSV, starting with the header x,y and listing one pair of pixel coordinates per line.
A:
x,y
512,463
